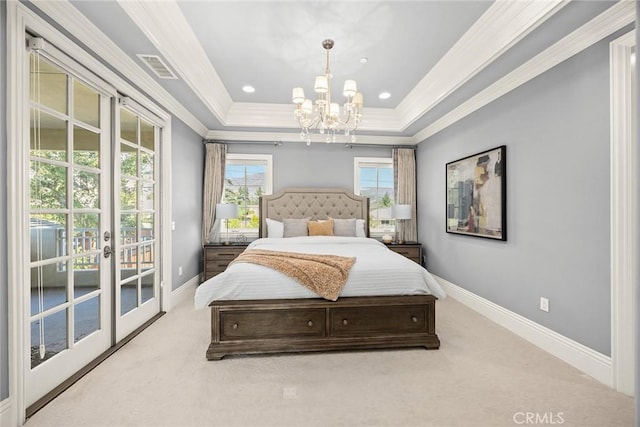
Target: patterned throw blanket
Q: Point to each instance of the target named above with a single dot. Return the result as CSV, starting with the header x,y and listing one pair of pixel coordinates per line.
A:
x,y
325,275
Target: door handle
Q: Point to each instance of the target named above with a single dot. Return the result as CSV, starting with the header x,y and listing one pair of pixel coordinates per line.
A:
x,y
107,251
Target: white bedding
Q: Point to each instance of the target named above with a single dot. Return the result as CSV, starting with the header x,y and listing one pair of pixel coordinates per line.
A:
x,y
377,271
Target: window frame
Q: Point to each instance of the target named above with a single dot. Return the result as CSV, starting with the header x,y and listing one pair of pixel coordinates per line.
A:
x,y
373,162
252,159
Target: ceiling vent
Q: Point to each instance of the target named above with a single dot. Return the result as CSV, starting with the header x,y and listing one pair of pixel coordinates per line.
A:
x,y
157,65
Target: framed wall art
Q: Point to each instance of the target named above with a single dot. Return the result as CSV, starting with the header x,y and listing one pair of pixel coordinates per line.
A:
x,y
476,195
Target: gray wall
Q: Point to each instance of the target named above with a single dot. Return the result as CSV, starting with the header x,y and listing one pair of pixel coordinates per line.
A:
x,y
556,129
4,340
320,164
187,170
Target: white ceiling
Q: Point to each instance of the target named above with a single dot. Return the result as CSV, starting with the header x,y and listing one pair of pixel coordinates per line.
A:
x,y
431,56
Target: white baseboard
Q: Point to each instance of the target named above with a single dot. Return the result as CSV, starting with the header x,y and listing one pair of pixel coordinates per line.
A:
x,y
587,360
182,292
6,418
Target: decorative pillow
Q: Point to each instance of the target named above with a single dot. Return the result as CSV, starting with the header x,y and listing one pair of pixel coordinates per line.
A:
x,y
344,227
360,232
294,227
274,228
320,228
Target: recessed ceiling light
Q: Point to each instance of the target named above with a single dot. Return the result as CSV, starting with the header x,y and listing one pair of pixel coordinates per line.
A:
x,y
248,89
384,95
364,60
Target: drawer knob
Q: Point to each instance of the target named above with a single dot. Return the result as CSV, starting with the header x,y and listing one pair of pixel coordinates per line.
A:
x,y
414,319
345,322
235,326
310,323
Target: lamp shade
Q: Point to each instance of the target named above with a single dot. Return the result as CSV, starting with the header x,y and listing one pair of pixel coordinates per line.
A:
x,y
297,95
350,88
401,211
322,84
226,210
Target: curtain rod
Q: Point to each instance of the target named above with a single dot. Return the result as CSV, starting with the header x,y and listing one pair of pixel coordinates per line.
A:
x,y
281,143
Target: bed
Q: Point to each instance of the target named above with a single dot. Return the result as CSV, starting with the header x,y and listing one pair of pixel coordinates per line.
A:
x,y
256,310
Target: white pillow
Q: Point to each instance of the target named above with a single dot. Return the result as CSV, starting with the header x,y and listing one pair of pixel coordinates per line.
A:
x,y
275,228
360,232
344,227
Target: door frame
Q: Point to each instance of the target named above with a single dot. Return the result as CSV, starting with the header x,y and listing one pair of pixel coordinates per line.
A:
x,y
624,215
21,19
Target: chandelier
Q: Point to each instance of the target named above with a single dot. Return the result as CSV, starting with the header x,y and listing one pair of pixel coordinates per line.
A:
x,y
326,116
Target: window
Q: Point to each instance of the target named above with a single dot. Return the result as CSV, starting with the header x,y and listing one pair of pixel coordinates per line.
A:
x,y
246,178
374,179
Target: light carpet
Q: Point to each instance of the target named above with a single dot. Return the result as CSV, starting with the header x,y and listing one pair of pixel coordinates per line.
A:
x,y
483,375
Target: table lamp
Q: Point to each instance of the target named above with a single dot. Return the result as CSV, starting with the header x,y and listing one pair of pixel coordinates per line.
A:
x,y
400,212
226,211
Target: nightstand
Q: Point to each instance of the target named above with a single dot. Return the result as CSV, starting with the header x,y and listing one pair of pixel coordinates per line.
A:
x,y
411,250
218,256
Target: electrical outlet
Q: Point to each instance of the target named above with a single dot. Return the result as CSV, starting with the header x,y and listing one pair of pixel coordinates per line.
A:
x,y
544,304
179,271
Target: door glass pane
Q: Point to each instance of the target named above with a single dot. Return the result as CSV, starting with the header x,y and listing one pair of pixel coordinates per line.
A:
x,y
146,257
86,318
128,297
48,136
128,126
128,229
86,147
147,287
146,226
50,88
86,190
146,165
48,287
129,194
146,135
86,275
86,104
51,333
85,233
128,160
128,262
48,236
147,196
48,186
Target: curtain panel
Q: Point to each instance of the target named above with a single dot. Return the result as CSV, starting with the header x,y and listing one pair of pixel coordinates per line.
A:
x,y
215,158
404,182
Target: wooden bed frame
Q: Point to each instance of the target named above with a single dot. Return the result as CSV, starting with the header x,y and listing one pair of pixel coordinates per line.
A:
x,y
297,325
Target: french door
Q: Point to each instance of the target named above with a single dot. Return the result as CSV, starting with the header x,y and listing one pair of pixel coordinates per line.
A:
x,y
137,275
94,221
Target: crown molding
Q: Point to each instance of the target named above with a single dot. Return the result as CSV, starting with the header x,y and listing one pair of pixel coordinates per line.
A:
x,y
261,115
160,22
504,24
78,25
603,25
277,137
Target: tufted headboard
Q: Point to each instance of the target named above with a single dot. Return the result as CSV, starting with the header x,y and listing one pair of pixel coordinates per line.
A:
x,y
317,203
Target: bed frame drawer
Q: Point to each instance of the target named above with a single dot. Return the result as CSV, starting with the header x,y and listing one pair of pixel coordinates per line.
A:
x,y
295,325
354,321
241,325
